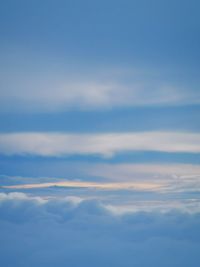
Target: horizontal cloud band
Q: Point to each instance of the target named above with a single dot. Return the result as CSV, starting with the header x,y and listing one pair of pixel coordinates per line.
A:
x,y
108,186
108,144
50,91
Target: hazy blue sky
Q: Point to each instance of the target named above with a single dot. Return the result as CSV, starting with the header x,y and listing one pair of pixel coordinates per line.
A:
x,y
99,133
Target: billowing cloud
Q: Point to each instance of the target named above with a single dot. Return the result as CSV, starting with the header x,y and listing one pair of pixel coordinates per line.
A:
x,y
36,232
60,144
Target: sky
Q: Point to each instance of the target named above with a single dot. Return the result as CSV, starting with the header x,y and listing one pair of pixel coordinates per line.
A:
x,y
99,133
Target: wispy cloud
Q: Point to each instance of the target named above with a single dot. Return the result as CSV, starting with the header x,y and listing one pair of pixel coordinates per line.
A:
x,y
60,144
159,178
46,89
133,172
178,178
94,185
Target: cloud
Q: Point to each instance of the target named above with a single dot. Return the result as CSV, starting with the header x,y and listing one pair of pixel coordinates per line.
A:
x,y
93,185
137,177
36,87
61,232
143,171
60,144
172,178
110,180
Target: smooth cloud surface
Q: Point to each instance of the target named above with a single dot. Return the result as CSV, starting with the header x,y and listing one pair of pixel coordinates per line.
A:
x,y
59,144
47,89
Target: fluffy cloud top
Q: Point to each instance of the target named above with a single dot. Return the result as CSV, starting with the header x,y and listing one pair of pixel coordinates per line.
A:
x,y
72,232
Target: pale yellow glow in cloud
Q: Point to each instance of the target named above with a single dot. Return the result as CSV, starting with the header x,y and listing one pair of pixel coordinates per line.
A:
x,y
93,185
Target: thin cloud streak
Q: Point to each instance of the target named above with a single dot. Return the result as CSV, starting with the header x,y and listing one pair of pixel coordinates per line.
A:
x,y
159,178
129,171
93,185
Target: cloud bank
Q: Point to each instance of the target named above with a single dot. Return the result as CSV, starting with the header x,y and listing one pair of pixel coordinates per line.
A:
x,y
73,232
60,144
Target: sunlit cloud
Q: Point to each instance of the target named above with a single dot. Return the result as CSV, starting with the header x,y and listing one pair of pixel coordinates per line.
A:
x,y
160,178
93,185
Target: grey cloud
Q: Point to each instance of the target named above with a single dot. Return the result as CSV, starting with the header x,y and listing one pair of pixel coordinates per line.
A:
x,y
64,233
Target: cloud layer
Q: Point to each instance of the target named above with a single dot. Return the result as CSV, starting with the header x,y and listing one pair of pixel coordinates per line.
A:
x,y
158,178
37,88
42,232
60,144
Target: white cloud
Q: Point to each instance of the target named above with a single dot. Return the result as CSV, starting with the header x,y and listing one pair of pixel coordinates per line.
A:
x,y
108,144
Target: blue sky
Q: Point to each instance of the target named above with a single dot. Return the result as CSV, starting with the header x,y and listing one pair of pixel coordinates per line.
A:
x,y
99,133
